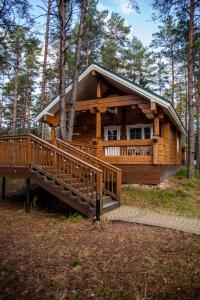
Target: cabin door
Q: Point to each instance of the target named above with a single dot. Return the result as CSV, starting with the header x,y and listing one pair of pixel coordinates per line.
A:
x,y
112,134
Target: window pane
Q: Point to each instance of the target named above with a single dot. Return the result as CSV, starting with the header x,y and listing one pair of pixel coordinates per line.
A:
x,y
147,132
135,133
112,135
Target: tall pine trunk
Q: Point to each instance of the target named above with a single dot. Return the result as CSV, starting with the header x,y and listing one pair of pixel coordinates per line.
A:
x,y
198,120
44,71
71,113
173,80
27,103
62,6
190,171
15,96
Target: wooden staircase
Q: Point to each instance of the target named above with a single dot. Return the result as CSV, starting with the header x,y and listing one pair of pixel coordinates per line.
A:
x,y
78,179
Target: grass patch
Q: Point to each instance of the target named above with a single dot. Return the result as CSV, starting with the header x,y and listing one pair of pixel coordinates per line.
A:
x,y
181,197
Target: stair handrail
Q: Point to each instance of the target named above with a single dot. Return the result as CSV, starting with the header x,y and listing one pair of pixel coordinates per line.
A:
x,y
91,174
63,152
110,172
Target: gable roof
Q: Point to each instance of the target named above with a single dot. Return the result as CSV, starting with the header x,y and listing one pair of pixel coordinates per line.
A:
x,y
125,83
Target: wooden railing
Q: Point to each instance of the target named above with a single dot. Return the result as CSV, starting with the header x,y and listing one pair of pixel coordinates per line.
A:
x,y
76,175
127,148
90,149
13,150
111,174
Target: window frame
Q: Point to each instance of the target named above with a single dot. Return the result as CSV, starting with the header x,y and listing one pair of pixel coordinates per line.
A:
x,y
118,128
142,126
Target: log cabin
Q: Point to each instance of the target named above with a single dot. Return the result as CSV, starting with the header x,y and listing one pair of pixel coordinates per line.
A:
x,y
123,124
123,133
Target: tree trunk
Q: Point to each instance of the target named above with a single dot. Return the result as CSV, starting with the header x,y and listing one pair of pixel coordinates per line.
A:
x,y
62,5
190,171
15,96
44,71
71,114
173,79
198,120
27,109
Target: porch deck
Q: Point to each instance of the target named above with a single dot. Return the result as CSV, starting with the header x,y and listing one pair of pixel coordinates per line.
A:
x,y
82,181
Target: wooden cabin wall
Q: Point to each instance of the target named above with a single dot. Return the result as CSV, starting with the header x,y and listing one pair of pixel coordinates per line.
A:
x,y
85,123
170,136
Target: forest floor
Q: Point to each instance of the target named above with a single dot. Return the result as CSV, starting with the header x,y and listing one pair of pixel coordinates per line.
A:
x,y
177,195
49,256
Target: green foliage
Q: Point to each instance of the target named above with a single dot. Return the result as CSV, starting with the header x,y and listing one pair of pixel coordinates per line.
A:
x,y
75,218
138,63
24,50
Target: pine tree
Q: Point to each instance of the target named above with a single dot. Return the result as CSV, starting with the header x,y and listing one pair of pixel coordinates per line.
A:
x,y
115,41
166,40
138,63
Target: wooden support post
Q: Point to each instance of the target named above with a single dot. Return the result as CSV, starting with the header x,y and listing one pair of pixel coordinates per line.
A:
x,y
156,131
27,200
3,188
99,93
53,133
98,125
119,183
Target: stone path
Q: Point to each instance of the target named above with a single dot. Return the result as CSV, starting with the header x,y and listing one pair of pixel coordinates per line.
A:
x,y
148,217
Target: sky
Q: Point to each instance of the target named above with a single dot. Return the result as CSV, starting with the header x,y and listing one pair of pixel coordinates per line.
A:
x,y
142,25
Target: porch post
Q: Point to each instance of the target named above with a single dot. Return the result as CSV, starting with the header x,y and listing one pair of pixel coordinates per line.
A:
x,y
156,129
98,125
53,132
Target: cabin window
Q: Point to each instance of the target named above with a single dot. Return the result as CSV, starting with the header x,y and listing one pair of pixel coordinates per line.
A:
x,y
139,131
112,133
135,133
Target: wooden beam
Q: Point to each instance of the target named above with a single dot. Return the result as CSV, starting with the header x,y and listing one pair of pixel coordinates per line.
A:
x,y
109,102
93,72
98,125
153,108
52,120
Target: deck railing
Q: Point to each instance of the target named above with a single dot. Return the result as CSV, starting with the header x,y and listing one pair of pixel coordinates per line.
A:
x,y
76,175
13,150
127,148
111,174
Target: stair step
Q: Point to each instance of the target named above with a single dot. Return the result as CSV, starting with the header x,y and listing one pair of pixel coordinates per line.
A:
x,y
109,204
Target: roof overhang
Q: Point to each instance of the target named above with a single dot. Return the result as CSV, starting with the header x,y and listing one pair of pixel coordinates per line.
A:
x,y
166,105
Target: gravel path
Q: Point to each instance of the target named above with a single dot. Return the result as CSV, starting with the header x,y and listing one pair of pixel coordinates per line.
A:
x,y
148,217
